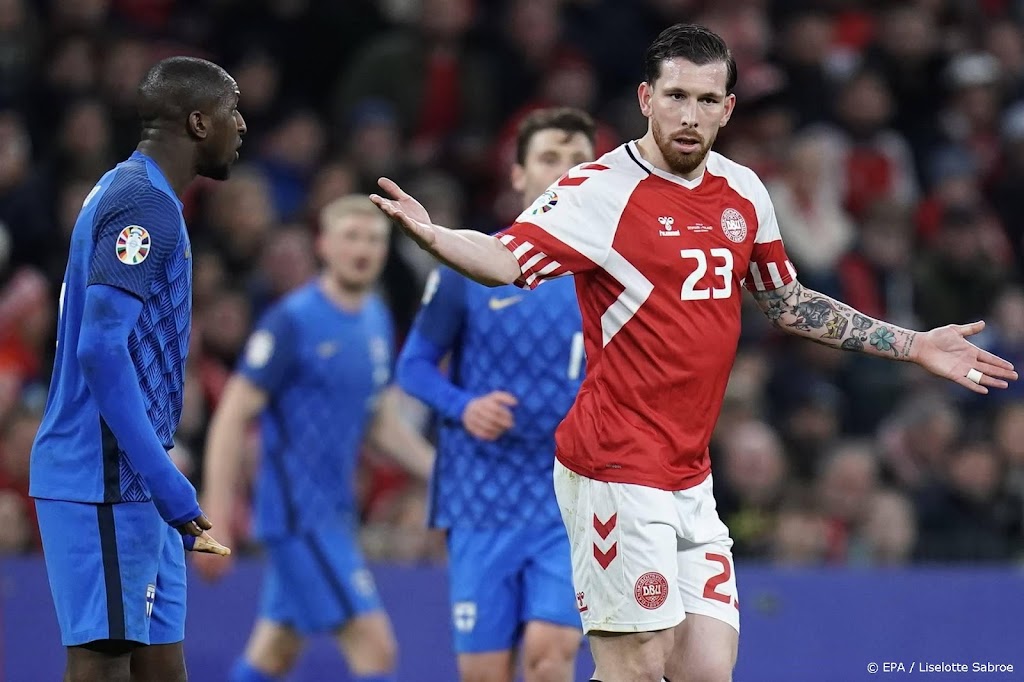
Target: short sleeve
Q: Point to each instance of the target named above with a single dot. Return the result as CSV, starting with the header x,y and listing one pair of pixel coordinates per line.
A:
x,y
568,229
443,308
133,237
770,267
269,353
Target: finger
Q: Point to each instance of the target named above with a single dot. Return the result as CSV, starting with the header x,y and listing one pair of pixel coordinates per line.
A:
x,y
489,426
190,528
505,398
499,417
206,544
992,359
391,187
481,431
997,371
204,522
970,329
992,382
967,383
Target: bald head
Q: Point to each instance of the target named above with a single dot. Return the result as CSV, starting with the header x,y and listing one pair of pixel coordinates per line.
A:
x,y
175,87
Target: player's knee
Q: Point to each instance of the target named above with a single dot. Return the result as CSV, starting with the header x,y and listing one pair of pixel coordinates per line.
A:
x,y
369,644
550,658
553,666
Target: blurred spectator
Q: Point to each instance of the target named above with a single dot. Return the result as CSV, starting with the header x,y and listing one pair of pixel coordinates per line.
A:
x,y
960,273
917,440
437,81
864,158
749,483
24,213
818,230
876,278
847,483
966,516
889,533
16,507
801,532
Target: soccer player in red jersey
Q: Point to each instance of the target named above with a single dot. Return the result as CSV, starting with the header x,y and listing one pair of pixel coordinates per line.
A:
x,y
661,234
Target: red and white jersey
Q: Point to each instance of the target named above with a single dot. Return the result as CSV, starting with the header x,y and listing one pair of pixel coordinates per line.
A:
x,y
659,262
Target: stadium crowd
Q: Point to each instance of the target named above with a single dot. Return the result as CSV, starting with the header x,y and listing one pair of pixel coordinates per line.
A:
x,y
890,134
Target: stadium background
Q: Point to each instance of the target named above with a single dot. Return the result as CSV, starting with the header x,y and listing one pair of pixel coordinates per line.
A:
x,y
890,134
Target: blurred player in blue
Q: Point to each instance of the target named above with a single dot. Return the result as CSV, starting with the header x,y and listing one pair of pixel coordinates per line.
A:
x,y
112,507
516,366
316,371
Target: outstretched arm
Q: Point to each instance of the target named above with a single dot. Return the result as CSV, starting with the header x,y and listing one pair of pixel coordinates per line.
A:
x,y
943,351
478,256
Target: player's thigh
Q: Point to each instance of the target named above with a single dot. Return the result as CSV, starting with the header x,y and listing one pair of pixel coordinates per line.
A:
x,y
100,661
485,588
552,636
318,581
631,657
546,576
102,562
706,649
623,547
159,663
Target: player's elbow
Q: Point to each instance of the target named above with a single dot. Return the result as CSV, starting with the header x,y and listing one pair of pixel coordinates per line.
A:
x,y
97,354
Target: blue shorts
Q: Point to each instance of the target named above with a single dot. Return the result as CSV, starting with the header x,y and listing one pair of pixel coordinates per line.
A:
x,y
316,582
502,578
116,571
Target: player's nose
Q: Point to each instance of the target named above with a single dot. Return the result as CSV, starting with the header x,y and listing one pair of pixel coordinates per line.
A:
x,y
242,129
688,113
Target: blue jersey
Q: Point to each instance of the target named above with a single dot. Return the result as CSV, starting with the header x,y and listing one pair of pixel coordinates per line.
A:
x,y
130,235
323,369
528,343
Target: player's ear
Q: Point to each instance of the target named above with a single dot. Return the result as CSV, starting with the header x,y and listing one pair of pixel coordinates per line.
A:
x,y
730,105
518,178
198,126
644,93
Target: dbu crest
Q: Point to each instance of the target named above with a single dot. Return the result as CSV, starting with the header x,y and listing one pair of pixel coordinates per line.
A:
x,y
733,225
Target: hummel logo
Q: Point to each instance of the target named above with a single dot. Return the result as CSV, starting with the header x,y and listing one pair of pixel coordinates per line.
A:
x,y
666,222
501,303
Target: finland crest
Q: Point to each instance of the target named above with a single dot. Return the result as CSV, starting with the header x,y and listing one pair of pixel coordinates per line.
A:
x,y
132,245
150,598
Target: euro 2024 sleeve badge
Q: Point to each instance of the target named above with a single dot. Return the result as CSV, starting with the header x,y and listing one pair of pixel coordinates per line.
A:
x,y
133,245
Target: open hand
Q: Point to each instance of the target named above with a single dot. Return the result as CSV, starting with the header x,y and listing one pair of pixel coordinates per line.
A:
x,y
407,212
946,352
196,539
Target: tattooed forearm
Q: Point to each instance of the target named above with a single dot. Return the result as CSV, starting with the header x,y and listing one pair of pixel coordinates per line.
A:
x,y
825,320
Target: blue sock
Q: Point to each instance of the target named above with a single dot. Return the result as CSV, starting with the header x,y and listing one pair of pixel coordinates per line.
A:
x,y
376,677
243,672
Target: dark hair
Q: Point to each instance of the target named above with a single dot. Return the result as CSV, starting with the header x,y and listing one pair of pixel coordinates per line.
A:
x,y
177,86
566,119
694,43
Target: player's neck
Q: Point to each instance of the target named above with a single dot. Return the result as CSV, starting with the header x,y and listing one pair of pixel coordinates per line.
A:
x,y
177,168
345,298
652,154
